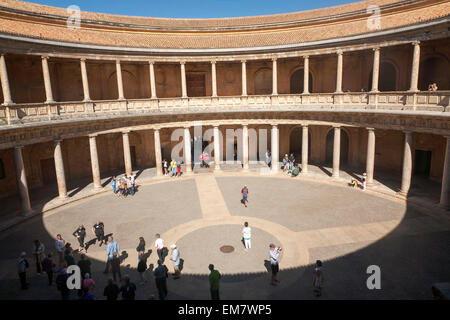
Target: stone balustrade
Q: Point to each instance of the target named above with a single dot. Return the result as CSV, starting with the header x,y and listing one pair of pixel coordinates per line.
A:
x,y
381,101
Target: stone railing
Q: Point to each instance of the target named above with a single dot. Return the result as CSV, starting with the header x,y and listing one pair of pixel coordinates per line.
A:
x,y
419,102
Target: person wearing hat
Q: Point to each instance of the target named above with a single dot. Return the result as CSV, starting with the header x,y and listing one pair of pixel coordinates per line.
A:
x,y
175,257
22,270
244,193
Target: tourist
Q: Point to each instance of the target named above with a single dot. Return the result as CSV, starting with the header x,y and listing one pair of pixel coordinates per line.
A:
x,y
111,291
214,282
84,264
364,182
59,246
128,289
112,247
113,184
175,257
247,235
142,267
432,87
80,234
141,248
179,169
268,158
285,162
48,266
318,279
205,159
291,161
130,186
61,282
161,274
115,266
274,254
244,192
98,229
354,183
22,271
159,245
88,283
133,183
165,167
39,255
68,257
173,168
123,183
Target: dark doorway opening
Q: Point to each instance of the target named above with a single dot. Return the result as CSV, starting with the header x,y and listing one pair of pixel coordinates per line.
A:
x,y
296,142
48,171
133,156
422,163
296,82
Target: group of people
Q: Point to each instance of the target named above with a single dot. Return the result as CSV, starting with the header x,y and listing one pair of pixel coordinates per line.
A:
x,y
432,87
124,186
172,169
355,183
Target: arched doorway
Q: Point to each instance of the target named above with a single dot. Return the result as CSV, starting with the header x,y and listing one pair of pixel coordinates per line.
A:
x,y
434,70
263,81
295,143
329,148
297,82
387,79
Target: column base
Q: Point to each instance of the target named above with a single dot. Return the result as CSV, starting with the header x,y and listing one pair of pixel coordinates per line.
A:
x,y
63,198
403,193
26,213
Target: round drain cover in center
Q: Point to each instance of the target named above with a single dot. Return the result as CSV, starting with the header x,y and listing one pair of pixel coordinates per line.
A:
x,y
227,249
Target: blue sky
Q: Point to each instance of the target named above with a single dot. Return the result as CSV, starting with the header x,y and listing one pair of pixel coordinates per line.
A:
x,y
194,8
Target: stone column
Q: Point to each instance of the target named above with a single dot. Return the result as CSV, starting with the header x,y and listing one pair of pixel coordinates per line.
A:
x,y
445,190
245,146
244,77
84,78
119,80
415,67
339,72
22,184
127,153
183,80
47,82
158,156
59,167
375,69
275,148
305,74
213,78
152,80
370,159
407,163
5,82
187,150
336,151
217,151
94,162
304,149
274,77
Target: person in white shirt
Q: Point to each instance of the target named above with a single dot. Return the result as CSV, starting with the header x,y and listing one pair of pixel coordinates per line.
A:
x,y
247,235
274,254
159,245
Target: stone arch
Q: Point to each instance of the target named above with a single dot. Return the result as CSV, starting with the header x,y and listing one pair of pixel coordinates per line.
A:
x,y
434,69
130,84
388,76
344,147
296,81
263,81
295,142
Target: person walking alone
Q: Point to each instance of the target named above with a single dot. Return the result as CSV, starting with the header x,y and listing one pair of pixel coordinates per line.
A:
x,y
274,254
247,235
214,282
244,192
59,246
175,257
80,234
159,246
98,229
318,279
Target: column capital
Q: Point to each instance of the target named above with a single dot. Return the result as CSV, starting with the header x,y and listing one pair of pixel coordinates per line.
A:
x,y
151,61
83,59
57,140
305,57
45,57
213,61
217,126
415,43
187,126
93,135
125,132
304,125
243,61
337,126
376,48
182,62
274,58
339,52
370,129
117,61
407,131
20,146
274,126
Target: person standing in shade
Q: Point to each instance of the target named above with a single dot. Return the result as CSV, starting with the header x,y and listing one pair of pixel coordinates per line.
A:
x,y
268,158
99,231
59,246
61,282
84,264
80,234
318,279
23,265
175,257
68,257
88,284
142,267
111,291
48,266
140,248
128,289
113,184
244,192
39,254
113,247
159,245
247,235
115,266
214,282
161,275
274,254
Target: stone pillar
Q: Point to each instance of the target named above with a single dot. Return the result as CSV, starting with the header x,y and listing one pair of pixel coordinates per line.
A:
x,y
336,151
339,72
5,82
126,153
415,67
152,80
244,77
183,80
84,78
47,82
445,190
305,74
94,162
407,163
187,150
158,156
375,69
245,146
274,77
59,167
217,151
119,80
275,148
304,149
370,159
213,78
22,184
